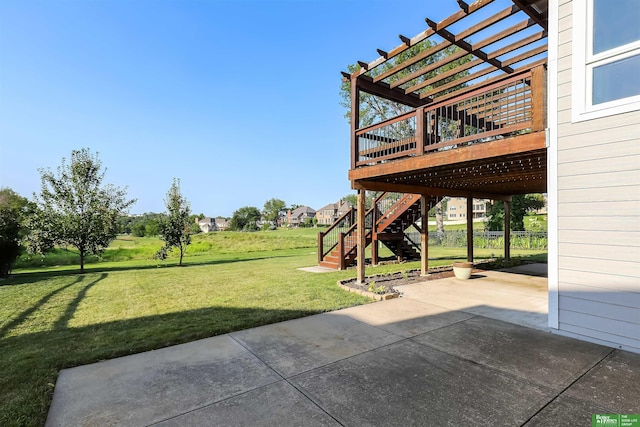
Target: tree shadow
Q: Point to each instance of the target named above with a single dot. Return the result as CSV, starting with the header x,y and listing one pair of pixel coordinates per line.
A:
x,y
63,321
28,312
30,362
27,277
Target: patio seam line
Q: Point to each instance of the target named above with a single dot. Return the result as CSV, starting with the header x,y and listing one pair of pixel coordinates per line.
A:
x,y
402,339
229,397
287,381
213,403
586,370
572,383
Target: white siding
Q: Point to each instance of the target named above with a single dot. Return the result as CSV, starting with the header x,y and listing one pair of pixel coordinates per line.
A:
x,y
598,208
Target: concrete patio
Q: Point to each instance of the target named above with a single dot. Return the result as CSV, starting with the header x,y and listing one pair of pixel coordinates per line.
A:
x,y
447,353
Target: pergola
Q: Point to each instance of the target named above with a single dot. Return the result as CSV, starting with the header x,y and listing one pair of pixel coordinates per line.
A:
x,y
474,96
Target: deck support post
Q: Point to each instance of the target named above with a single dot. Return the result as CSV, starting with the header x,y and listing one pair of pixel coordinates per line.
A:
x,y
355,120
362,196
470,229
424,235
507,230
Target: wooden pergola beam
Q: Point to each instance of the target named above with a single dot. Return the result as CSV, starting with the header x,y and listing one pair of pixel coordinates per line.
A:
x,y
541,19
479,45
413,60
462,44
408,42
382,89
450,39
483,72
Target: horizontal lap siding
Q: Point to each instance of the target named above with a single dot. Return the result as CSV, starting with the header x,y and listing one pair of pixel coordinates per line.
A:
x,y
598,215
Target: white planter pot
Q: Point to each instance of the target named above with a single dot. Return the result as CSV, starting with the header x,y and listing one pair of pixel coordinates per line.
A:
x,y
462,270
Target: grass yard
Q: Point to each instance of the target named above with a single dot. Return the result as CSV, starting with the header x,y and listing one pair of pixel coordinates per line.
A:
x,y
53,318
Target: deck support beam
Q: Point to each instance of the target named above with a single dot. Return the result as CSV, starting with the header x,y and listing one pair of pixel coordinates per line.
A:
x,y
362,243
424,235
507,230
470,229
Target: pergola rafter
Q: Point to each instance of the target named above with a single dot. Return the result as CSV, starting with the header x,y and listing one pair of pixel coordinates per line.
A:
x,y
421,87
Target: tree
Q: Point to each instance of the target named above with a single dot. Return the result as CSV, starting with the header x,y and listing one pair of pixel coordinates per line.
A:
x,y
74,207
374,109
138,229
440,208
152,228
175,227
244,219
370,197
520,205
13,212
272,209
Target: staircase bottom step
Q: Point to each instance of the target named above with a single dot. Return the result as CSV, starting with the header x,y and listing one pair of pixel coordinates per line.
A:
x,y
328,265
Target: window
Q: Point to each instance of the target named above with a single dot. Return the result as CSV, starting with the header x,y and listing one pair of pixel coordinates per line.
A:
x,y
606,58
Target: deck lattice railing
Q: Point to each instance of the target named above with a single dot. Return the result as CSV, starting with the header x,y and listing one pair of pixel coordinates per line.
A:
x,y
508,107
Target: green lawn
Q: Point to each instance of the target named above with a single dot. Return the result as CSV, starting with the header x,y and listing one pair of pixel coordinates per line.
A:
x,y
53,318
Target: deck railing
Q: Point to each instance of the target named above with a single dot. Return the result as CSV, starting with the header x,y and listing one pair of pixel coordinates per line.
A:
x,y
508,107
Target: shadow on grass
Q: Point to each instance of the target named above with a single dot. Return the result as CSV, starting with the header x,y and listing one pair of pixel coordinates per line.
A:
x,y
31,362
28,312
67,315
63,321
26,277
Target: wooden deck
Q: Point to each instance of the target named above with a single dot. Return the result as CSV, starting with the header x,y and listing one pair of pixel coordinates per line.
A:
x,y
477,107
471,113
486,143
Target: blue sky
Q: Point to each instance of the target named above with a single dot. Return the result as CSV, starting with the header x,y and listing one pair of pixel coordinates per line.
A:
x,y
238,99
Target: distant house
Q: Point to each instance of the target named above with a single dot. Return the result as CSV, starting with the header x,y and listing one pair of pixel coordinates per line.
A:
x,y
206,224
297,217
328,214
457,208
221,223
282,218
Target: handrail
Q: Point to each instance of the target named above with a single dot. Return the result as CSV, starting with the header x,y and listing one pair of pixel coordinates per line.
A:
x,y
385,122
329,239
342,229
394,208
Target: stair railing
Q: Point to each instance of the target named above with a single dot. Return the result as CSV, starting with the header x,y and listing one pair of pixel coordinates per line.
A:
x,y
329,239
389,215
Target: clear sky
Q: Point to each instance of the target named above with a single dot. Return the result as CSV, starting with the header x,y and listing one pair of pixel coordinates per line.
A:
x,y
238,99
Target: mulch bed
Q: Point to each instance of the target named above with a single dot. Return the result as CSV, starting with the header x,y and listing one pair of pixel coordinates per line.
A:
x,y
383,286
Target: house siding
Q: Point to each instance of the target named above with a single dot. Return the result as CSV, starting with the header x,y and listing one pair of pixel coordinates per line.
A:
x,y
598,210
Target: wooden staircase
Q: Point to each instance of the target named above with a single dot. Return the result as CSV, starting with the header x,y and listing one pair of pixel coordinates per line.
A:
x,y
387,221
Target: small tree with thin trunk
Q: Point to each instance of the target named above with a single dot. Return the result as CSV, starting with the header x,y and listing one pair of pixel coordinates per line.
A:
x,y
175,227
75,209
